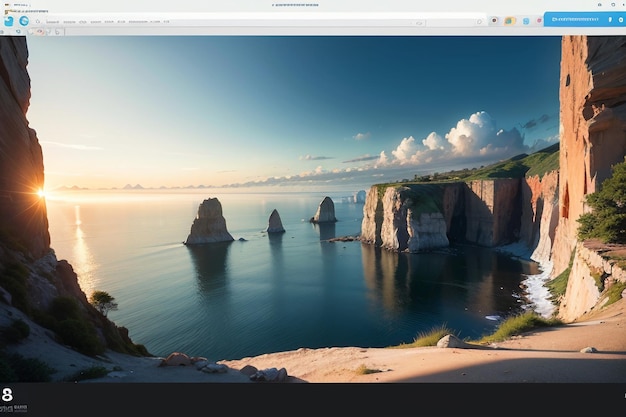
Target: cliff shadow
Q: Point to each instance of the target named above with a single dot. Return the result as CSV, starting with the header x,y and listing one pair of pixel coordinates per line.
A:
x,y
493,210
210,262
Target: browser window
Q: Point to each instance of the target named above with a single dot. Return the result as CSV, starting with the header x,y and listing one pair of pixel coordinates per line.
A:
x,y
270,131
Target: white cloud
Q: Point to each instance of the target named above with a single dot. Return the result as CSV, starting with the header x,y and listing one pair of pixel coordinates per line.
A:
x,y
474,137
405,150
433,142
361,136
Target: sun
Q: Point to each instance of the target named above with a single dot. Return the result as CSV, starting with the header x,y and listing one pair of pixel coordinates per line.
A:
x,y
41,193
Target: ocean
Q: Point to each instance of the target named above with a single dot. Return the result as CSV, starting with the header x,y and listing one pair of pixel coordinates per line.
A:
x,y
267,293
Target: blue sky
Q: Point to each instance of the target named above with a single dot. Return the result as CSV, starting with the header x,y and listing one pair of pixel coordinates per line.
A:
x,y
340,111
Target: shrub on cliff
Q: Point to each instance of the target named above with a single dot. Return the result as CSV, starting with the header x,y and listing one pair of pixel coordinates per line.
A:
x,y
103,302
607,220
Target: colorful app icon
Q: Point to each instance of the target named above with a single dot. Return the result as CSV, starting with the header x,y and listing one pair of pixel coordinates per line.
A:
x,y
509,20
23,20
8,21
526,21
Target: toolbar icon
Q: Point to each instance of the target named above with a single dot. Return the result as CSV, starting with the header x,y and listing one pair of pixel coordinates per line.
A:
x,y
509,20
23,20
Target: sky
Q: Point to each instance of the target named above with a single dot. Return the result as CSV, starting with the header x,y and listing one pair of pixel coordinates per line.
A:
x,y
179,111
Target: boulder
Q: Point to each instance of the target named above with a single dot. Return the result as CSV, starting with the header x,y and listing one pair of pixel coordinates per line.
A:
x,y
176,359
325,212
209,225
275,225
451,341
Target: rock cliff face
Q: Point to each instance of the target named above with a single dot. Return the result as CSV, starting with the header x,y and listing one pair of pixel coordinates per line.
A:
x,y
539,212
22,211
593,138
209,225
38,279
421,217
593,127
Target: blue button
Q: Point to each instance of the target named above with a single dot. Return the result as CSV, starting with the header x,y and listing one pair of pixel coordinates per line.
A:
x,y
585,19
23,20
8,21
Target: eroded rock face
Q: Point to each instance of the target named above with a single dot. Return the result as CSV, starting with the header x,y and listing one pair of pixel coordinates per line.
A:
x,y
325,212
423,217
209,225
275,225
540,214
23,214
593,127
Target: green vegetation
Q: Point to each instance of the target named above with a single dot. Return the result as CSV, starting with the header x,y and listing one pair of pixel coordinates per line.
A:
x,y
17,331
89,373
607,219
512,326
16,368
520,166
72,327
598,276
428,338
516,325
13,279
614,293
558,285
103,302
364,370
536,164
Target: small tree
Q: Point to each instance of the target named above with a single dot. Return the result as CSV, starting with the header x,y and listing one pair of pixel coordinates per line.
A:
x,y
607,220
103,302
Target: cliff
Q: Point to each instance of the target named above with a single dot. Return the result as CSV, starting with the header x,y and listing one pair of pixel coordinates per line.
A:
x,y
419,217
539,211
593,138
36,288
22,211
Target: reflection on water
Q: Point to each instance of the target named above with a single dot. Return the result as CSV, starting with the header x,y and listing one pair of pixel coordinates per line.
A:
x,y
326,230
464,282
210,262
274,292
84,263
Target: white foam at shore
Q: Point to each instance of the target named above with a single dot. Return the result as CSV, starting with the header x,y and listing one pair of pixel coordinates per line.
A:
x,y
536,292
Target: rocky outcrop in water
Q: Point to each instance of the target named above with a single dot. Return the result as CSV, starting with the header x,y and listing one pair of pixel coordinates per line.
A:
x,y
325,212
209,226
275,225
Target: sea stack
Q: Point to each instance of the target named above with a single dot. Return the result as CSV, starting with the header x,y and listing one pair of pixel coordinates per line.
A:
x,y
325,212
209,225
275,224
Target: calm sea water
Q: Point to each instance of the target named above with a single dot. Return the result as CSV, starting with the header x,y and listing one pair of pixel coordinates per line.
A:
x,y
270,293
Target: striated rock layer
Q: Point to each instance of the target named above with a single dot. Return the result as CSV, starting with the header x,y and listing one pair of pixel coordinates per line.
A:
x,y
593,138
593,127
421,217
209,225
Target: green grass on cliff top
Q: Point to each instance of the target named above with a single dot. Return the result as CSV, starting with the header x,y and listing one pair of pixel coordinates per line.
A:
x,y
535,164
